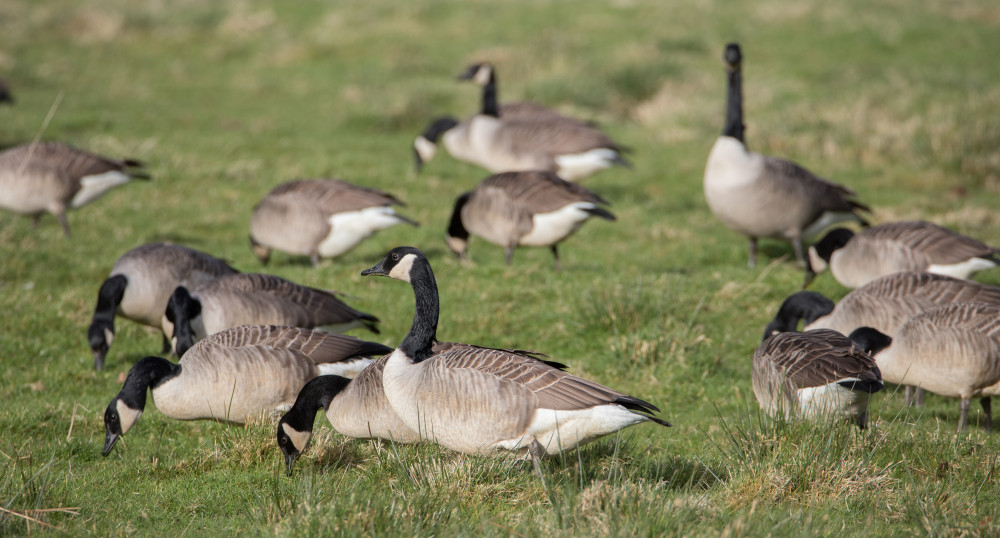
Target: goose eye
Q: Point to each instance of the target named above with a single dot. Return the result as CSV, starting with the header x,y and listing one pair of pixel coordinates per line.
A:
x,y
395,256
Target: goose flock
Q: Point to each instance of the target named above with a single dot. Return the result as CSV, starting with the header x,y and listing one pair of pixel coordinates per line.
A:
x,y
255,343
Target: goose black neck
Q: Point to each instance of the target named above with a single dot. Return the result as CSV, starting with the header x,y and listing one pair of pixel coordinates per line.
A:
x,y
423,333
805,306
490,106
181,309
108,298
456,228
316,394
147,373
734,105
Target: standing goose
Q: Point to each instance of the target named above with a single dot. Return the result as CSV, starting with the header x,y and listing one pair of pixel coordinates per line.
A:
x,y
476,399
484,75
522,208
571,149
883,304
818,372
320,218
233,375
760,196
856,259
951,350
355,407
52,177
140,285
255,299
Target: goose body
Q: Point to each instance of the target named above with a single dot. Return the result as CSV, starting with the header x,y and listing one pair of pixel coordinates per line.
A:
x,y
858,258
522,208
475,399
320,218
51,177
255,299
140,285
234,374
951,350
761,196
818,372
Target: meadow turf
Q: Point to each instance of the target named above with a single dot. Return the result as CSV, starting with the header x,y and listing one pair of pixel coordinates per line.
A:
x,y
225,99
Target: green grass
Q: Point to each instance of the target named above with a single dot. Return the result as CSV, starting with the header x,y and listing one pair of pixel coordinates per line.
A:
x,y
226,99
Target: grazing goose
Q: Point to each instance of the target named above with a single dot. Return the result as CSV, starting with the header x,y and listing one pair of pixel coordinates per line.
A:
x,y
255,299
355,407
484,75
475,399
232,375
571,149
320,218
818,372
760,196
856,259
522,208
883,304
47,176
140,285
951,350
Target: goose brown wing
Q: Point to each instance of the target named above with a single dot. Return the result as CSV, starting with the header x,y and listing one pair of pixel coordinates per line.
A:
x,y
823,194
321,347
318,306
939,244
560,137
72,162
818,357
539,191
552,387
334,195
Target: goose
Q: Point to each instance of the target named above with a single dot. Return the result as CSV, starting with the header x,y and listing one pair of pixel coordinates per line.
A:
x,y
320,218
355,407
53,177
883,304
951,350
818,372
522,208
234,374
761,196
858,258
474,399
571,149
255,299
140,285
484,75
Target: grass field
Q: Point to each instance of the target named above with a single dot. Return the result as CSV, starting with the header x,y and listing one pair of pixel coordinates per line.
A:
x,y
225,99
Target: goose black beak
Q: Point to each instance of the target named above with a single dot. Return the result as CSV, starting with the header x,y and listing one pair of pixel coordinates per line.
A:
x,y
109,442
377,270
289,460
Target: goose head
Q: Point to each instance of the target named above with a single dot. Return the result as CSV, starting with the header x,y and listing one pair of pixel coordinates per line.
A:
x,y
821,252
733,56
127,406
398,264
480,73
805,306
100,335
870,340
182,310
425,145
457,236
296,426
262,252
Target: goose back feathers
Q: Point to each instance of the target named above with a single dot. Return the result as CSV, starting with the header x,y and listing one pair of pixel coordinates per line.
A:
x,y
52,177
140,285
320,218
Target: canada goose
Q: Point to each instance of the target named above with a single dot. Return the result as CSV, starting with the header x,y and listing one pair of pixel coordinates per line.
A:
x,y
951,350
47,176
320,218
818,372
234,374
140,284
760,196
255,299
573,150
883,304
484,75
476,399
522,208
355,407
858,258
